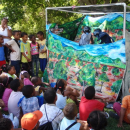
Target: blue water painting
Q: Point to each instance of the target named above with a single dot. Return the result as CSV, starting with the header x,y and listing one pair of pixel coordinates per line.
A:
x,y
113,50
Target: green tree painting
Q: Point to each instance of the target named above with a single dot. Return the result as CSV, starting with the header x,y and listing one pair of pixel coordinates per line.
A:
x,y
115,72
72,63
97,65
60,70
50,65
104,68
116,86
103,78
87,75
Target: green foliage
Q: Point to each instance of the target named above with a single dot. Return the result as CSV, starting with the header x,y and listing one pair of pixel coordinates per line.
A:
x,y
116,86
115,71
104,68
87,74
60,70
80,63
97,65
103,78
72,63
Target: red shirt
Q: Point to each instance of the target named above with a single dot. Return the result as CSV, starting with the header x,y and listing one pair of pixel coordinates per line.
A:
x,y
87,106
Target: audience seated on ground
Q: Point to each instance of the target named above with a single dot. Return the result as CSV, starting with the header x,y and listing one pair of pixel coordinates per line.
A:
x,y
28,103
89,104
51,113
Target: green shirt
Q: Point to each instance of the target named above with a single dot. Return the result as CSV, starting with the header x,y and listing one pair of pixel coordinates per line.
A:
x,y
25,47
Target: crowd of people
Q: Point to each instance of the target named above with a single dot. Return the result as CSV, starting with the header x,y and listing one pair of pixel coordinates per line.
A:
x,y
32,104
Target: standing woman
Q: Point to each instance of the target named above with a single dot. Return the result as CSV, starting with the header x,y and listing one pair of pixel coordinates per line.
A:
x,y
6,32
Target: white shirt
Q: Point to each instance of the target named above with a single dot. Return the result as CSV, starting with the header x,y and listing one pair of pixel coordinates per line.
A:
x,y
4,33
66,123
61,101
13,103
14,56
52,111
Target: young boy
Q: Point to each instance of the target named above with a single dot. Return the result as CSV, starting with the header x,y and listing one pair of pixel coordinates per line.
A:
x,y
2,57
35,54
70,112
25,50
14,46
89,104
28,103
16,85
50,111
30,121
42,51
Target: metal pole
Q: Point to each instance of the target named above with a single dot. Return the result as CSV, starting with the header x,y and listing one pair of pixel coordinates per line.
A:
x,y
46,16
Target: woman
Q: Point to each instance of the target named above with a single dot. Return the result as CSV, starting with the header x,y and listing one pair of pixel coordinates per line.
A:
x,y
6,32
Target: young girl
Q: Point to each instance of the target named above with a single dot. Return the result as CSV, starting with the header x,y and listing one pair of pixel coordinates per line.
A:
x,y
64,92
35,54
11,71
7,91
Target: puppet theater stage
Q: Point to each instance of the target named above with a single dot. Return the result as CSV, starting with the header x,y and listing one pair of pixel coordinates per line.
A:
x,y
103,66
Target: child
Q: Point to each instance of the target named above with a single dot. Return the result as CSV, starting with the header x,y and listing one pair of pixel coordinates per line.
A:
x,y
7,92
2,56
89,104
15,54
30,121
123,111
11,71
37,85
70,112
42,51
28,103
86,36
25,77
64,92
97,120
35,54
25,50
50,112
16,85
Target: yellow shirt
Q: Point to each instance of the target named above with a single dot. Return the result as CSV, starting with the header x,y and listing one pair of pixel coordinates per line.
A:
x,y
42,45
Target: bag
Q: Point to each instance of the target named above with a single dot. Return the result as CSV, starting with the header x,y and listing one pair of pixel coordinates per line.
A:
x,y
48,125
70,126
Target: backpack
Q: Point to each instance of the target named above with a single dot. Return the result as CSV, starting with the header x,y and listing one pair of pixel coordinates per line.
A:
x,y
48,125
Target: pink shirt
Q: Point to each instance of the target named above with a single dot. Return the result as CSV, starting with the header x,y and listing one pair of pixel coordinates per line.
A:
x,y
5,98
34,49
27,82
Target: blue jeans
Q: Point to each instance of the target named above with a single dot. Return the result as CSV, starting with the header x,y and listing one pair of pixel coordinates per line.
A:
x,y
16,64
35,60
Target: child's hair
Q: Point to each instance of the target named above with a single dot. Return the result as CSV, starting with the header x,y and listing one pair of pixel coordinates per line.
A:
x,y
5,124
50,95
2,89
9,67
7,81
15,84
41,33
14,32
28,91
70,111
60,85
34,80
30,36
5,19
90,92
23,34
4,68
26,75
97,120
1,36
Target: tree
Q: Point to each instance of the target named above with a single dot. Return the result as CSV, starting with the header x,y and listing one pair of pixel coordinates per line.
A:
x,y
97,65
115,72
72,63
103,78
116,86
104,68
50,65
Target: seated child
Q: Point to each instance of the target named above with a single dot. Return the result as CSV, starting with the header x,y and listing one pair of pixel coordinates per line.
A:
x,y
89,104
63,92
28,103
11,71
16,85
7,91
51,113
37,85
97,120
86,36
30,121
123,111
26,78
70,112
4,70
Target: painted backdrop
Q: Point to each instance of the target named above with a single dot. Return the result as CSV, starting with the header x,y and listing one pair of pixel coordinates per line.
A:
x,y
98,65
